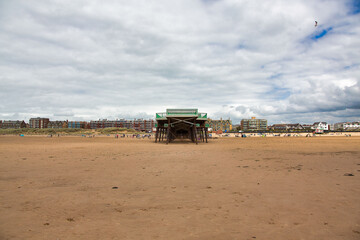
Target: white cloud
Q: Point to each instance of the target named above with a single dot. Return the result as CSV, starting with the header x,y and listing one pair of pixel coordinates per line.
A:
x,y
94,59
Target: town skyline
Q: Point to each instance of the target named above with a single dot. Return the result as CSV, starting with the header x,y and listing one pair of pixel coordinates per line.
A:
x,y
291,62
153,118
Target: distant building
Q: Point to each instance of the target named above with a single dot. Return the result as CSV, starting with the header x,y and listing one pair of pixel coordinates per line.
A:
x,y
236,126
287,127
295,126
38,122
220,125
57,124
253,124
339,126
352,126
278,127
77,124
140,125
347,126
144,125
104,123
13,124
308,127
321,126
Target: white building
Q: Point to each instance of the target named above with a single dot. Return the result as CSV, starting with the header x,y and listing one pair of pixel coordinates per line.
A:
x,y
351,125
347,126
320,127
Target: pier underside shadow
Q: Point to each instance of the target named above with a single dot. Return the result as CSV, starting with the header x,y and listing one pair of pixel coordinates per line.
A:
x,y
181,124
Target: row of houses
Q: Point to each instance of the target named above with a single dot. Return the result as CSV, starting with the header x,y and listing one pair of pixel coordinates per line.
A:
x,y
252,124
13,124
137,124
349,126
255,124
318,126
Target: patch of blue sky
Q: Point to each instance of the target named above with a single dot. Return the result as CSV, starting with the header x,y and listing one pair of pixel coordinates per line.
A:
x,y
354,7
275,76
351,66
321,34
282,94
278,93
240,46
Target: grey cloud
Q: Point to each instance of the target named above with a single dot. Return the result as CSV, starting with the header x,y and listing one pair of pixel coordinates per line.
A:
x,y
63,114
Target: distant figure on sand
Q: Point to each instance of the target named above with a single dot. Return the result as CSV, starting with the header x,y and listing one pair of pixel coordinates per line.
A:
x,y
315,23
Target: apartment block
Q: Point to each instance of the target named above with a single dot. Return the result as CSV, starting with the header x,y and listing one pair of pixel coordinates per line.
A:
x,y
38,122
253,124
220,125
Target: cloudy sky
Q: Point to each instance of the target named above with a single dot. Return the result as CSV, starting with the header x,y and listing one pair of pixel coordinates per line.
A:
x,y
85,60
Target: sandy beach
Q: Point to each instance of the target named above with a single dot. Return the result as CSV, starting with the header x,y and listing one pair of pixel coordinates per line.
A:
x,y
229,188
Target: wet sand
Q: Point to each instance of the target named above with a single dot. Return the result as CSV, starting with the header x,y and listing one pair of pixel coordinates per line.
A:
x,y
230,188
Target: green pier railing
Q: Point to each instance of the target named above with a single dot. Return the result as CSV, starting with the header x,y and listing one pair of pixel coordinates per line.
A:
x,y
181,113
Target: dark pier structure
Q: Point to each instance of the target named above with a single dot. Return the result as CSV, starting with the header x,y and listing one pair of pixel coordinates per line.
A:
x,y
181,124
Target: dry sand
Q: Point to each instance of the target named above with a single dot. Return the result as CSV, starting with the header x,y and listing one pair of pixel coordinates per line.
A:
x,y
230,188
